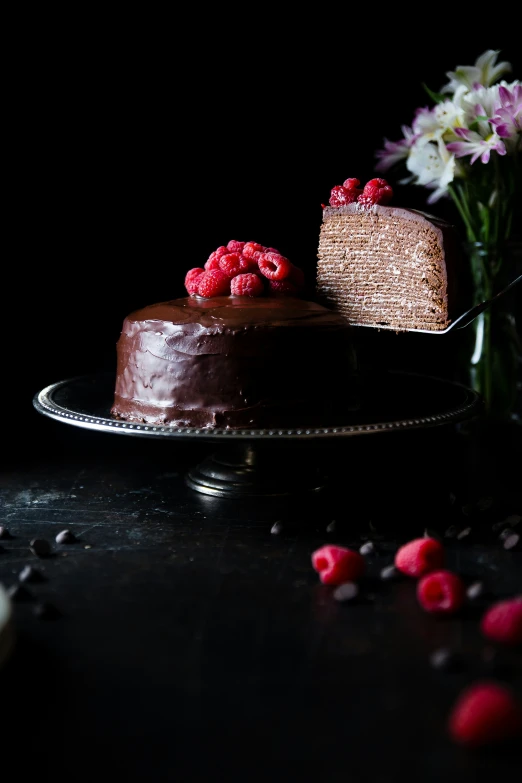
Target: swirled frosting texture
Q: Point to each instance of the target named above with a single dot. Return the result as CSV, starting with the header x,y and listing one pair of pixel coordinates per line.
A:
x,y
235,362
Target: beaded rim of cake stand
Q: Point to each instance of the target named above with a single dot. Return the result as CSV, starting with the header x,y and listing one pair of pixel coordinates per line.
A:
x,y
44,403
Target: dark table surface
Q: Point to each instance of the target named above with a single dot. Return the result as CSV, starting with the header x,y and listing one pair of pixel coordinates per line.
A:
x,y
192,638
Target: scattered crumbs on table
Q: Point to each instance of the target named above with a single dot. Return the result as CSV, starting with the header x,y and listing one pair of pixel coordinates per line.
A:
x,y
445,659
46,611
331,527
4,532
40,547
276,528
511,541
367,548
464,533
389,572
65,537
346,591
18,592
451,532
30,574
475,590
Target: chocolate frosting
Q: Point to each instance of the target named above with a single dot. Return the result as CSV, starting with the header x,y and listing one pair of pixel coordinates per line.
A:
x,y
233,362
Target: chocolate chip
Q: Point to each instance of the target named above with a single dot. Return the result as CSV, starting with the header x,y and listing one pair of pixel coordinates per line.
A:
x,y
331,527
46,611
40,547
19,593
276,528
65,537
475,590
445,659
346,592
30,574
4,532
511,541
389,572
367,548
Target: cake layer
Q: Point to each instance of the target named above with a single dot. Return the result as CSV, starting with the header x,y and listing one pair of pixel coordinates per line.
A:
x,y
388,267
235,362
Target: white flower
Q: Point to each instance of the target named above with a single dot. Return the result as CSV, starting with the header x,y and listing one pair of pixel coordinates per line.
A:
x,y
432,166
485,71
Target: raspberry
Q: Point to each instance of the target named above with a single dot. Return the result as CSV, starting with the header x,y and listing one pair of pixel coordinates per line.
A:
x,y
213,260
419,556
274,266
233,264
235,247
376,191
336,564
297,276
485,713
340,195
213,282
502,622
282,287
441,592
248,284
352,184
252,250
191,279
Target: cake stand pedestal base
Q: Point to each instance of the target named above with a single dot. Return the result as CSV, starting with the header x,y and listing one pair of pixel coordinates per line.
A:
x,y
248,470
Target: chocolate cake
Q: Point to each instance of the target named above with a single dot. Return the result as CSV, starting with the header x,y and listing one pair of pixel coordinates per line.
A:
x,y
388,267
235,362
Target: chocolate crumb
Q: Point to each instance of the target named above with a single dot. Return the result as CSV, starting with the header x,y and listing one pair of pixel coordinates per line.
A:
x,y
19,593
464,533
276,528
389,572
46,611
367,549
40,547
4,532
475,590
445,659
346,592
30,574
331,527
511,541
65,537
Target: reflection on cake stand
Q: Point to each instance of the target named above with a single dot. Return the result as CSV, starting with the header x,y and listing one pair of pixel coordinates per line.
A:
x,y
271,462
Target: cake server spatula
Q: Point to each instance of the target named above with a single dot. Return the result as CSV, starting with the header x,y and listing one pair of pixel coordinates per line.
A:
x,y
466,318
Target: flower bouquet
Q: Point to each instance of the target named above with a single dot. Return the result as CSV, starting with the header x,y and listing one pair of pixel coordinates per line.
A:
x,y
466,148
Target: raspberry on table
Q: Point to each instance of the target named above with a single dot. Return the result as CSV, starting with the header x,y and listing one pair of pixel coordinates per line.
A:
x,y
212,261
336,564
376,191
502,622
441,592
247,284
191,279
213,282
485,713
420,556
274,266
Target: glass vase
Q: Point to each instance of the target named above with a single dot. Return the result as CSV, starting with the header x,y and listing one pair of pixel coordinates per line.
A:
x,y
492,356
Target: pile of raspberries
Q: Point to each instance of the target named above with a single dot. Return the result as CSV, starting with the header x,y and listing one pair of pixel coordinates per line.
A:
x,y
376,191
245,269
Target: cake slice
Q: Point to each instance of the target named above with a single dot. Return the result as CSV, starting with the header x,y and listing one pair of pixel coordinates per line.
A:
x,y
388,267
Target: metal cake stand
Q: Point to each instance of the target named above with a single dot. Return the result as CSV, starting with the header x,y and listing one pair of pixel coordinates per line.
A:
x,y
271,462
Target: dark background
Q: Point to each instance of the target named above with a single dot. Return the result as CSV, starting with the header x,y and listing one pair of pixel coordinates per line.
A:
x,y
142,145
